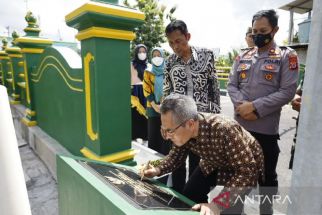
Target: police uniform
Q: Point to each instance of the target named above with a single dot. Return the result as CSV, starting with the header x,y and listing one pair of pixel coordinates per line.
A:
x,y
269,80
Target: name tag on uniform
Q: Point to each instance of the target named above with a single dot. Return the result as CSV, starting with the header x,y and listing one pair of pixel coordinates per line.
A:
x,y
272,61
243,67
270,67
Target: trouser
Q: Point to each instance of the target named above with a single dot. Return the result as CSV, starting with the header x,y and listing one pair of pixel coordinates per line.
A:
x,y
179,175
155,140
199,185
139,125
139,122
269,186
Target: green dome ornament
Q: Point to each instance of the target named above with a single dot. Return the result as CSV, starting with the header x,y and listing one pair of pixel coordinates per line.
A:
x,y
31,20
4,43
14,35
33,28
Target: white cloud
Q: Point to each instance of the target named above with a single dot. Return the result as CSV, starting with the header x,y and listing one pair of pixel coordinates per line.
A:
x,y
50,14
212,23
223,24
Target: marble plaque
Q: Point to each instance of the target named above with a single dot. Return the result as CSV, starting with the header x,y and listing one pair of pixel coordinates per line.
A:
x,y
143,194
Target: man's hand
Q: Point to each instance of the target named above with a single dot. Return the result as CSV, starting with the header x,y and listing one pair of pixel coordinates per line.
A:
x,y
207,209
155,107
250,117
296,103
147,170
245,108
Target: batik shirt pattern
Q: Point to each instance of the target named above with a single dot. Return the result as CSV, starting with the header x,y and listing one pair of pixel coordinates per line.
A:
x,y
196,78
223,146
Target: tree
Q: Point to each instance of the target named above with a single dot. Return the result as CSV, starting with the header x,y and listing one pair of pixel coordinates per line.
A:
x,y
227,60
151,33
232,56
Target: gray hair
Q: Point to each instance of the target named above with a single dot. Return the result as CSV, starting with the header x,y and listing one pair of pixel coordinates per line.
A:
x,y
182,107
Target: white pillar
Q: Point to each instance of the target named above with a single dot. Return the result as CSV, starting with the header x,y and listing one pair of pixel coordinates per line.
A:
x,y
291,28
306,188
13,191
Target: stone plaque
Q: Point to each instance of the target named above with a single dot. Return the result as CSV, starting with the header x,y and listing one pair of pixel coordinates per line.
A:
x,y
142,194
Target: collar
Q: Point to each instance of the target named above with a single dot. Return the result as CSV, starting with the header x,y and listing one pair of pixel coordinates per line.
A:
x,y
202,124
272,50
194,55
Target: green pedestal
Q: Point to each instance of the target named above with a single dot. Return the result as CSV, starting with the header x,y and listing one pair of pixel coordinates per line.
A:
x,y
32,46
83,192
14,53
105,32
4,70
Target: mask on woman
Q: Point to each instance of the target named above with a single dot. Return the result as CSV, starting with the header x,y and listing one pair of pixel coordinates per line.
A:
x,y
157,61
142,56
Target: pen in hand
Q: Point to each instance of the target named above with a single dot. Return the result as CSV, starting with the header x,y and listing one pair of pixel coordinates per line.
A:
x,y
144,168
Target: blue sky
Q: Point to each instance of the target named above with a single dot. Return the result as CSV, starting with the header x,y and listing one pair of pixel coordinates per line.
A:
x,y
212,23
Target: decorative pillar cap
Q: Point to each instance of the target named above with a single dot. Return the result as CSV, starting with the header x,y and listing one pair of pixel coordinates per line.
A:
x,y
32,29
96,14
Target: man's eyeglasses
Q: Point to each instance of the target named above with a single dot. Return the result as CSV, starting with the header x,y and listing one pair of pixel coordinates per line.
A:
x,y
165,132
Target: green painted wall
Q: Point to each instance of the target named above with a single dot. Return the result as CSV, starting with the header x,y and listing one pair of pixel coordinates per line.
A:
x,y
59,100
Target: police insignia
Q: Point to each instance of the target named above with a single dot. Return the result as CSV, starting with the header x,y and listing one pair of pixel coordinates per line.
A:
x,y
269,67
274,53
243,66
243,75
292,62
269,77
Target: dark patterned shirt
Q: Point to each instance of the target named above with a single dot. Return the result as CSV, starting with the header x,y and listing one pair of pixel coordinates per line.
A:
x,y
196,78
223,146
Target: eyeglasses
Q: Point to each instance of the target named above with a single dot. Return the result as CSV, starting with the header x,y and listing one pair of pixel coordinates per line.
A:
x,y
170,132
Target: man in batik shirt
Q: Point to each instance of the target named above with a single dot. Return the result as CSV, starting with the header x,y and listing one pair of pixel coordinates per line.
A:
x,y
190,71
230,155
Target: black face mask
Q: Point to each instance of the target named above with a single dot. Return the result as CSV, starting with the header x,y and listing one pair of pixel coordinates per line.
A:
x,y
262,40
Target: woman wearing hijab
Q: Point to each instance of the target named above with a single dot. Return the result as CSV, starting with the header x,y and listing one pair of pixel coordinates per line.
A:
x,y
152,85
138,101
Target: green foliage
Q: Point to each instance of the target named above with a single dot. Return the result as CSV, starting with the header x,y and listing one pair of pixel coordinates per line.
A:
x,y
232,56
227,60
151,33
221,61
296,38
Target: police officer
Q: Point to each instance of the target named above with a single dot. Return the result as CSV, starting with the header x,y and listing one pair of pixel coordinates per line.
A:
x,y
262,80
249,38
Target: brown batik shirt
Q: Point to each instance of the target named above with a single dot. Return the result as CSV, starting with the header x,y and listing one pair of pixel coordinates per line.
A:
x,y
223,146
